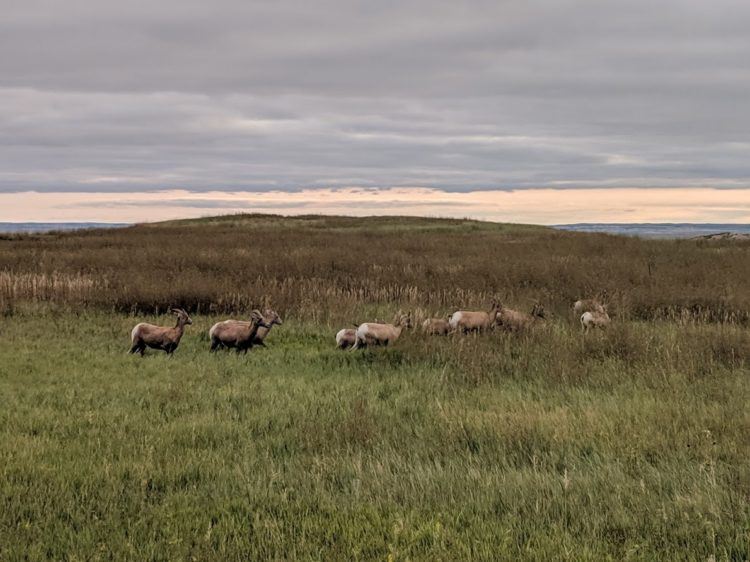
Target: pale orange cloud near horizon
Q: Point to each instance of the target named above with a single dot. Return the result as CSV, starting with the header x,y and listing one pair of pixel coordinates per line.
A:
x,y
535,206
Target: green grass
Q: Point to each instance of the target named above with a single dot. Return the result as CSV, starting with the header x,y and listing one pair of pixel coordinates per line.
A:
x,y
632,444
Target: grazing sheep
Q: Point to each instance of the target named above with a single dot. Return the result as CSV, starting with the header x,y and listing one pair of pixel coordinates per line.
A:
x,y
587,305
346,338
271,318
159,337
594,320
467,321
516,321
372,333
236,334
436,326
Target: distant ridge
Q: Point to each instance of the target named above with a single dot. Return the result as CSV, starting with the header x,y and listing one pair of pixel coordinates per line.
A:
x,y
725,236
49,226
661,230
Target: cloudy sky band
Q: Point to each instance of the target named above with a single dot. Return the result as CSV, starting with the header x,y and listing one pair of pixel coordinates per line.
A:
x,y
294,96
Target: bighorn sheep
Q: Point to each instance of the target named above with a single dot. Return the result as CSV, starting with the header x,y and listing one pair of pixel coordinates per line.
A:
x,y
587,305
372,333
159,337
516,321
236,334
467,321
436,326
346,338
271,318
594,320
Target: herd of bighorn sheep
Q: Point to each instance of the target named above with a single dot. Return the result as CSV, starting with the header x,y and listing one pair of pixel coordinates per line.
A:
x,y
242,335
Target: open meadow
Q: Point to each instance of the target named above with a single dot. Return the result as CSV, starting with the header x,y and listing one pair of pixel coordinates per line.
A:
x,y
631,443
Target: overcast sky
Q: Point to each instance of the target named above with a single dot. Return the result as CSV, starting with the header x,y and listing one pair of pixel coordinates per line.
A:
x,y
251,96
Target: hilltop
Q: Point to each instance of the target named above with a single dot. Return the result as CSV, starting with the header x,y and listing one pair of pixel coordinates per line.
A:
x,y
233,262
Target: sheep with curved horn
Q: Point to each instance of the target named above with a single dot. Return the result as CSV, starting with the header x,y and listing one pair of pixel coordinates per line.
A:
x,y
517,321
164,338
236,334
466,321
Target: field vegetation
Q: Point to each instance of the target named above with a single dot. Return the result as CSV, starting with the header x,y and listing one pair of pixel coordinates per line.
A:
x,y
627,444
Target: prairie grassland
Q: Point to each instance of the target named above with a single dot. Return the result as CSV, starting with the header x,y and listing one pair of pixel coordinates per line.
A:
x,y
336,268
627,444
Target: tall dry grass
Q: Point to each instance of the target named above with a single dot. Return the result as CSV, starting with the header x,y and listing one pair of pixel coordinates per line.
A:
x,y
328,268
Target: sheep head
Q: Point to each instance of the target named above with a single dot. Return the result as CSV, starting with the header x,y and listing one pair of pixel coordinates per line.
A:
x,y
272,317
182,316
402,319
257,319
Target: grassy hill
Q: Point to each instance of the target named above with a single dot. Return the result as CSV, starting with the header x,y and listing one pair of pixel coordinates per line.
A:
x,y
546,444
338,268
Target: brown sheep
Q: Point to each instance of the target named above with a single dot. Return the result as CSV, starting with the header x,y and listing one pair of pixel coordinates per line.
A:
x,y
436,326
516,321
159,337
467,321
236,334
372,333
272,319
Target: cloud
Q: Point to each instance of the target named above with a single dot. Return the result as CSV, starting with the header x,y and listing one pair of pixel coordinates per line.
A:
x,y
542,206
294,95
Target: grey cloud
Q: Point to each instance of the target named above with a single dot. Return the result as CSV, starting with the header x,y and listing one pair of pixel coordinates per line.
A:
x,y
287,95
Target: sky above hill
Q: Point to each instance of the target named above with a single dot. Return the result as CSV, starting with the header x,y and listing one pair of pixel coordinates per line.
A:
x,y
445,108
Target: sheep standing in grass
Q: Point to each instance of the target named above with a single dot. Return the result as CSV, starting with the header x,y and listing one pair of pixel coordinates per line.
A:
x,y
594,320
346,338
587,305
272,319
468,321
236,334
436,326
516,321
159,337
373,333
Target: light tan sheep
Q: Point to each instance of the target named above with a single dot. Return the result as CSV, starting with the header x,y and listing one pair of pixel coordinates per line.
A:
x,y
272,319
237,334
164,338
594,320
372,333
436,326
465,321
516,321
346,338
